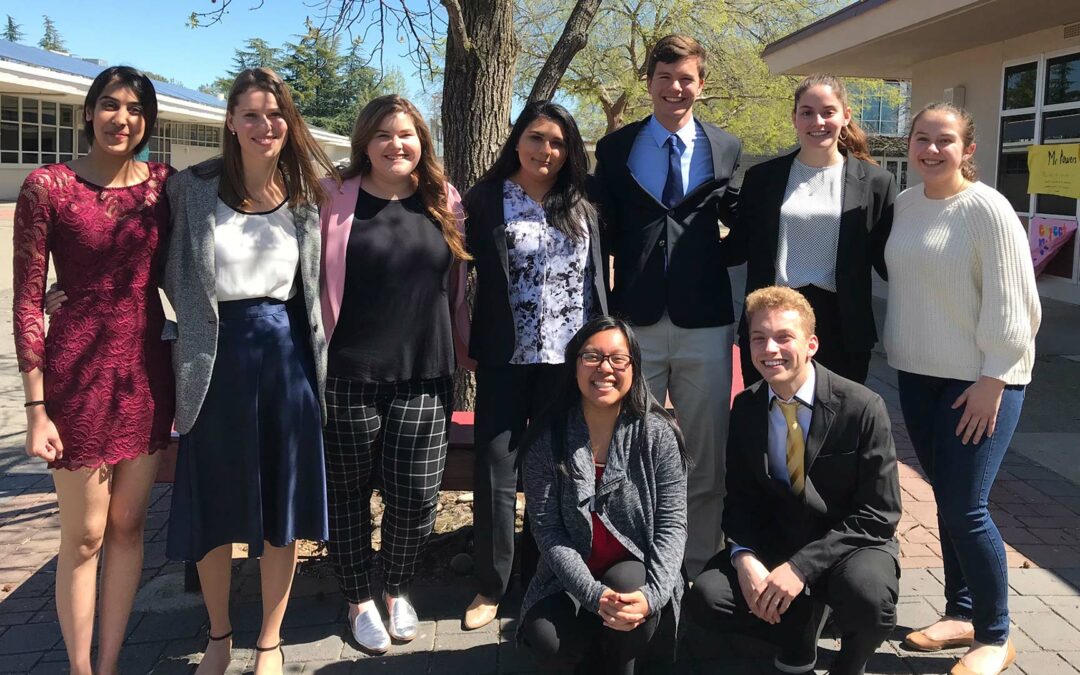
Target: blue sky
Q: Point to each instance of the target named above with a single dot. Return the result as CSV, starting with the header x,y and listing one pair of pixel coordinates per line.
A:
x,y
153,34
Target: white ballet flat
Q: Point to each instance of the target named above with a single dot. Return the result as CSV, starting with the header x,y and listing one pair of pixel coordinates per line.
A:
x,y
404,624
369,633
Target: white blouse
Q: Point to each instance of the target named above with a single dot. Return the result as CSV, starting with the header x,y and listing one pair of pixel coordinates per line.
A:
x,y
255,254
810,226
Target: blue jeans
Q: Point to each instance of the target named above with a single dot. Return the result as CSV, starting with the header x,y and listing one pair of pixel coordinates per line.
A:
x,y
976,575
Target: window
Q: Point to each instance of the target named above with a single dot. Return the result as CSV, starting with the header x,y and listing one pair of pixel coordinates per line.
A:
x,y
898,168
883,110
1040,103
1032,114
33,131
181,133
1063,79
1020,86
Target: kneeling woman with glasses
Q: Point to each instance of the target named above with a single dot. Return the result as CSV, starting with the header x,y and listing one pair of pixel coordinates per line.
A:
x,y
605,480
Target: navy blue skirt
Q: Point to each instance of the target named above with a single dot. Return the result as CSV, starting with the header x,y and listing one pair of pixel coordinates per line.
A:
x,y
252,467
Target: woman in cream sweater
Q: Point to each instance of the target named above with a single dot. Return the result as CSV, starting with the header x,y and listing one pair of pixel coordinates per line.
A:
x,y
962,316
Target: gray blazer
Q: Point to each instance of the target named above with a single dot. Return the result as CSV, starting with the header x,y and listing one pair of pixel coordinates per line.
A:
x,y
642,502
190,284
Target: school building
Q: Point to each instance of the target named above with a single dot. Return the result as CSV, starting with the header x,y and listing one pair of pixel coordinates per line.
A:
x,y
1014,64
41,121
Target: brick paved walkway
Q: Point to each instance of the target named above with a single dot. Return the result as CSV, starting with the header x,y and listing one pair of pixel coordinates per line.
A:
x,y
1035,508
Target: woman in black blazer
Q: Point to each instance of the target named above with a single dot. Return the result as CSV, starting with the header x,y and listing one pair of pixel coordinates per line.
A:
x,y
535,242
817,220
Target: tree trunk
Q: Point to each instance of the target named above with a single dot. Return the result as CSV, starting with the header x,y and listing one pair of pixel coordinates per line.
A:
x,y
574,36
478,86
615,112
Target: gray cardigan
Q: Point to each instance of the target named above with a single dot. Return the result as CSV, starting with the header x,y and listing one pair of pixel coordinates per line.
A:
x,y
190,284
642,502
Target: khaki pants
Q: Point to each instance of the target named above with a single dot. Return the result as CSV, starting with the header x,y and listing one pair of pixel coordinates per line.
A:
x,y
692,367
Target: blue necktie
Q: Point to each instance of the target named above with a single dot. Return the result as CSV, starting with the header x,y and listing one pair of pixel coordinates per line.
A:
x,y
673,187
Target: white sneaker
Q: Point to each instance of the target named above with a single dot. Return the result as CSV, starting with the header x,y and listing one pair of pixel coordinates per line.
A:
x,y
368,631
404,624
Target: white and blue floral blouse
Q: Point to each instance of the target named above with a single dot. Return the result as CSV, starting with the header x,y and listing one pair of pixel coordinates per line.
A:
x,y
550,280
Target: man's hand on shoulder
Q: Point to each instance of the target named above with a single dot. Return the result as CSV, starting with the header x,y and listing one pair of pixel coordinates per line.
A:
x,y
778,590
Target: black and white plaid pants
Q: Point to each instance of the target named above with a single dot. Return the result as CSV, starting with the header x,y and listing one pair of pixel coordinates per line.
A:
x,y
397,431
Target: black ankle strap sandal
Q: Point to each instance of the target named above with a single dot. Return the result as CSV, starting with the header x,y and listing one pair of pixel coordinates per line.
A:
x,y
272,648
219,638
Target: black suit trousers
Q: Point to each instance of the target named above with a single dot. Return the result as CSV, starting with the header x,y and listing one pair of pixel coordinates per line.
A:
x,y
564,635
507,397
861,590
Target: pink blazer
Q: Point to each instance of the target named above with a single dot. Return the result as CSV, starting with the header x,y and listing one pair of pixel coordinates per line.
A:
x,y
336,219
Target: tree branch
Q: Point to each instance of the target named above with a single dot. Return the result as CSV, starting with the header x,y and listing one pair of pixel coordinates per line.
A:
x,y
572,41
457,23
202,19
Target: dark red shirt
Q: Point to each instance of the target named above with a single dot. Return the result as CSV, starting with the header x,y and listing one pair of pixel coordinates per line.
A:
x,y
606,549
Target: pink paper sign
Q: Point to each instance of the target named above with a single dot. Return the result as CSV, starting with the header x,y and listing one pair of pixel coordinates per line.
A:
x,y
1047,236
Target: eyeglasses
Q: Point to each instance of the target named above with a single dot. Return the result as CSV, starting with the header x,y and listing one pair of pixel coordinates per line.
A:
x,y
594,359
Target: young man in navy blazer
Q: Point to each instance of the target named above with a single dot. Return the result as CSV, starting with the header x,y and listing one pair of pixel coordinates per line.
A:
x,y
665,186
813,500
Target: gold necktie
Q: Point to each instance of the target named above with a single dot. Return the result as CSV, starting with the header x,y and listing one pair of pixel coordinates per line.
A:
x,y
796,445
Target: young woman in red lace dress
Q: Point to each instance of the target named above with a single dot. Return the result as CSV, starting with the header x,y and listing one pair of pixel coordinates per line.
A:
x,y
99,385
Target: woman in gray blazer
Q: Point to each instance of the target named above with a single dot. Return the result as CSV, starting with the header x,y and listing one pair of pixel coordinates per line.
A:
x,y
605,480
242,273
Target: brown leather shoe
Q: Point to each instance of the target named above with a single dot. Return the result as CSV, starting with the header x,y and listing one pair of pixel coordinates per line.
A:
x,y
482,611
1010,656
921,642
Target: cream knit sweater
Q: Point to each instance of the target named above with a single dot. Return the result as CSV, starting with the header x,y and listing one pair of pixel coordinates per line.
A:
x,y
962,295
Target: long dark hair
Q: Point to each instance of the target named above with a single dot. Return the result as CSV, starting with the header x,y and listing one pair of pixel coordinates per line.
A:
x,y
137,82
299,157
566,206
638,401
430,177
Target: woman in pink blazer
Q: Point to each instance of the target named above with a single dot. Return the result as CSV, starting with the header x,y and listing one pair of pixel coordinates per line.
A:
x,y
393,303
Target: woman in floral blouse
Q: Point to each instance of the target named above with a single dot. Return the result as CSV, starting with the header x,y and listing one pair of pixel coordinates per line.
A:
x,y
535,241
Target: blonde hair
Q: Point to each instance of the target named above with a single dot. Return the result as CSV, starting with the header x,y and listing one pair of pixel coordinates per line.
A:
x,y
967,133
783,299
429,175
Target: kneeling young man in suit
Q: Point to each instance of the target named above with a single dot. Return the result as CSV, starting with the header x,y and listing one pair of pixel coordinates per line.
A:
x,y
813,500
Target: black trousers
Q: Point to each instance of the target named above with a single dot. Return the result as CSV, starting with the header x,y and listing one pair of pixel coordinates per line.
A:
x,y
832,352
563,634
861,590
396,431
507,397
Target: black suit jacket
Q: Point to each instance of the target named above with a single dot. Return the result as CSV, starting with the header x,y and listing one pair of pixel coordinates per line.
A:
x,y
865,223
493,337
852,494
694,289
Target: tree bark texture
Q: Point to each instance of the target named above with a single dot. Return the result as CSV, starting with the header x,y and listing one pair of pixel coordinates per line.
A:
x,y
478,87
574,36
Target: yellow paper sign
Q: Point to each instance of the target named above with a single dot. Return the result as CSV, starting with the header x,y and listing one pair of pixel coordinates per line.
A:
x,y
1054,170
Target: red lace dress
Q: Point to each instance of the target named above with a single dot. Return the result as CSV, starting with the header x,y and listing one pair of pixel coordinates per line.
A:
x,y
108,376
